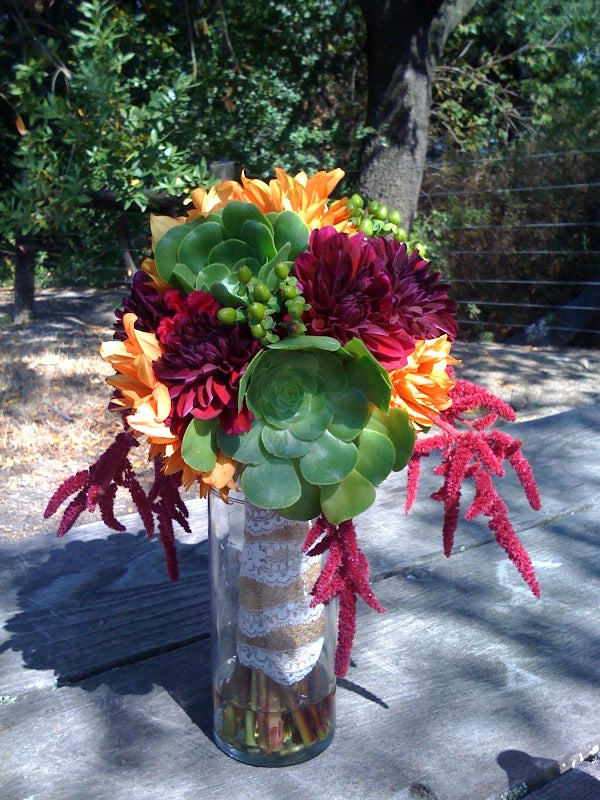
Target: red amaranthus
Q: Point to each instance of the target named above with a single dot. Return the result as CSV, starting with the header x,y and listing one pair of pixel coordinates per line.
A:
x,y
476,453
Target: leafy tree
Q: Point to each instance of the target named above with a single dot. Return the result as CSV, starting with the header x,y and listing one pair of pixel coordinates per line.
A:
x,y
517,69
123,101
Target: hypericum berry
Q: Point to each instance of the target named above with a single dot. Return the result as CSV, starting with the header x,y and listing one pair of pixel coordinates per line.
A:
x,y
295,307
395,217
366,226
227,315
244,274
381,212
257,311
261,292
288,292
295,328
373,206
355,202
401,235
282,270
257,331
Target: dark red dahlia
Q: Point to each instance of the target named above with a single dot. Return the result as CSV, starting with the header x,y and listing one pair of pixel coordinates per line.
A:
x,y
421,304
144,300
351,293
203,362
372,289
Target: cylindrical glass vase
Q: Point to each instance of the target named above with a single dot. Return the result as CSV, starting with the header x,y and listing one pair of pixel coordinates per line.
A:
x,y
272,652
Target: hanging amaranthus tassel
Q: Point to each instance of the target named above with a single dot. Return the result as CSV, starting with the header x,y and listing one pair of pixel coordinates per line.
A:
x,y
345,575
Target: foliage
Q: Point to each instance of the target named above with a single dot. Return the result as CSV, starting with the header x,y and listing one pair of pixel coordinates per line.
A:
x,y
115,98
517,68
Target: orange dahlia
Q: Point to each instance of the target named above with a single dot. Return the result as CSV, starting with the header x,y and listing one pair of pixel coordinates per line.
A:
x,y
308,197
137,387
421,387
215,198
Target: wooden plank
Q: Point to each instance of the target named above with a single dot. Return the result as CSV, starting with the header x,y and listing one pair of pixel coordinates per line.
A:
x,y
98,600
576,784
464,666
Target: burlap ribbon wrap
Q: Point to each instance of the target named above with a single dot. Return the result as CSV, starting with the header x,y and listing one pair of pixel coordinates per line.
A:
x,y
279,633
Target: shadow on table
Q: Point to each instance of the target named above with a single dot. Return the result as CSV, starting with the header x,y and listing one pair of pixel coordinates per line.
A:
x,y
101,612
527,774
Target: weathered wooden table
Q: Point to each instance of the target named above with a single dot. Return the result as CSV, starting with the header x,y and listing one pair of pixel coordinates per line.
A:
x,y
466,687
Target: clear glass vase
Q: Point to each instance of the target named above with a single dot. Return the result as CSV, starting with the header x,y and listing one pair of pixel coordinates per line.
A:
x,y
272,653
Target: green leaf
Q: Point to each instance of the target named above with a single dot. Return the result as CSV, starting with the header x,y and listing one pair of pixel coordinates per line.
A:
x,y
243,384
308,506
315,422
260,239
183,278
350,413
304,342
271,484
396,426
282,443
224,291
376,456
402,437
230,252
195,248
236,213
198,448
244,447
329,460
212,273
347,499
289,227
368,374
165,252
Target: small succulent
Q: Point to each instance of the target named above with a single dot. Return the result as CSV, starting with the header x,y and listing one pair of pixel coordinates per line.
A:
x,y
323,435
244,259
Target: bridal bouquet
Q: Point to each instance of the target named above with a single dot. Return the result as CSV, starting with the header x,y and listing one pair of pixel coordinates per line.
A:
x,y
271,346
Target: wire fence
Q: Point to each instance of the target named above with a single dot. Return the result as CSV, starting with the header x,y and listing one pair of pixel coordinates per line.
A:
x,y
520,244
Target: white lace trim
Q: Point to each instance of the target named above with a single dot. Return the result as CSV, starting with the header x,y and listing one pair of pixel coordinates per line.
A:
x,y
260,520
283,666
258,622
274,563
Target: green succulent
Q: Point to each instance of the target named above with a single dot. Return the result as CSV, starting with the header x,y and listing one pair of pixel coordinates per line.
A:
x,y
323,435
231,252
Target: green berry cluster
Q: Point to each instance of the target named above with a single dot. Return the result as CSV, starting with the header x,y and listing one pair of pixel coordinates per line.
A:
x,y
262,309
376,220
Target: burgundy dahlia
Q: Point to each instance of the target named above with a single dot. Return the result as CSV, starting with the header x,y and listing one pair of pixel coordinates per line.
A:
x,y
203,362
144,300
351,293
372,289
421,304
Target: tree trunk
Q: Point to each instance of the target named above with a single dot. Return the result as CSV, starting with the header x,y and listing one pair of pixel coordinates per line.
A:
x,y
24,279
404,42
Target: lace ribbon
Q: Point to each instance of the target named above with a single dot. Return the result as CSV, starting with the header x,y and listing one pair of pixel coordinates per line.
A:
x,y
280,633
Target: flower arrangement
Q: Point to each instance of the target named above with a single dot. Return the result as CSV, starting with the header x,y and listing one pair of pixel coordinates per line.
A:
x,y
270,345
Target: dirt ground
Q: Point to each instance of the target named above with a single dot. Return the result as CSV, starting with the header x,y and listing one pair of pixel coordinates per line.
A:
x,y
53,417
